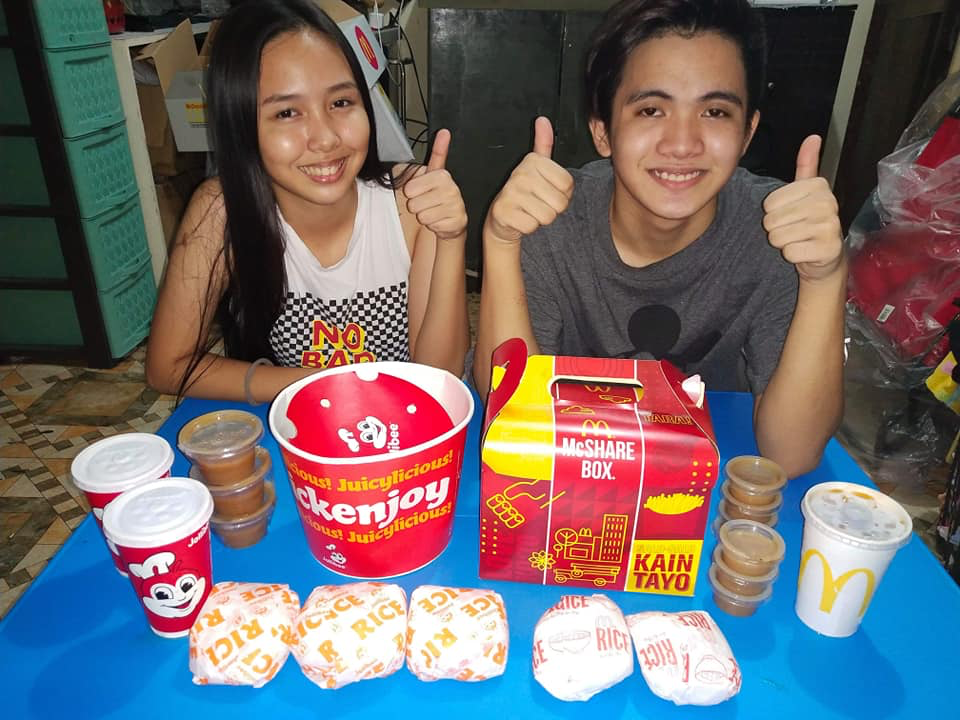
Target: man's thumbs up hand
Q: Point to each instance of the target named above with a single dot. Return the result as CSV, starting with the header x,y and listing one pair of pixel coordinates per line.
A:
x,y
534,195
801,218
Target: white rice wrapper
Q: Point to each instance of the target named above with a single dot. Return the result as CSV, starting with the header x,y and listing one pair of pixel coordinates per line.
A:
x,y
684,657
457,634
353,632
240,636
581,646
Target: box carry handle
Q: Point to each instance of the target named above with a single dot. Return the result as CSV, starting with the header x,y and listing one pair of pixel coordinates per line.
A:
x,y
508,360
618,390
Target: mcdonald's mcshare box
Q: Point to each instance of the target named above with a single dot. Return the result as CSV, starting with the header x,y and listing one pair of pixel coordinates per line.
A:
x,y
596,473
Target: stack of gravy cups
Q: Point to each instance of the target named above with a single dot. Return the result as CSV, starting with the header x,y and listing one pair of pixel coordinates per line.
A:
x,y
752,491
747,558
223,448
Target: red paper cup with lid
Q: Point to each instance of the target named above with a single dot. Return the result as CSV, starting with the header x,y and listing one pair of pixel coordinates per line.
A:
x,y
162,532
116,464
373,452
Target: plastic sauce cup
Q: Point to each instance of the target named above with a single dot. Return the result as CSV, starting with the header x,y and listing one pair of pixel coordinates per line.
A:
x,y
222,444
850,534
739,583
750,548
116,464
735,603
754,480
734,509
162,532
243,497
770,519
250,529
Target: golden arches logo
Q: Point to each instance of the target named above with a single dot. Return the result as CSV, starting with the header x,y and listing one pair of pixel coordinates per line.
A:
x,y
606,392
616,399
832,586
598,426
366,48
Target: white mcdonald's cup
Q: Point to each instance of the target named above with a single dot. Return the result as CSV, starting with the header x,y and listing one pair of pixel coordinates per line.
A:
x,y
850,535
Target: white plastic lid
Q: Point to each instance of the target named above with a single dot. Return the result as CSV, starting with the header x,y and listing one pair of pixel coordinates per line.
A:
x,y
220,434
857,515
158,513
118,463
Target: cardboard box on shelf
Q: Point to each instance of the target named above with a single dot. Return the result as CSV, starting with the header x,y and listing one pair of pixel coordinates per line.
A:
x,y
595,473
186,103
157,65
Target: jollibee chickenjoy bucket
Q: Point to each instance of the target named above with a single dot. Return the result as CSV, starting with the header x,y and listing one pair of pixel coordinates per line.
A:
x,y
373,452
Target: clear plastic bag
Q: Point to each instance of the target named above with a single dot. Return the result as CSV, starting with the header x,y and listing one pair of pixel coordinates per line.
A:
x,y
904,252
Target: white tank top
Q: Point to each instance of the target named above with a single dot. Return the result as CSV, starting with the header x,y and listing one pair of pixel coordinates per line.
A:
x,y
356,310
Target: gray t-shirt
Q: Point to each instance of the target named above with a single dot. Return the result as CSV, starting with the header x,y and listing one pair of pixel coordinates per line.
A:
x,y
720,307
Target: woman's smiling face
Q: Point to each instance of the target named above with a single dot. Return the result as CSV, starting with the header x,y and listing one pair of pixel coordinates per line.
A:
x,y
678,125
312,125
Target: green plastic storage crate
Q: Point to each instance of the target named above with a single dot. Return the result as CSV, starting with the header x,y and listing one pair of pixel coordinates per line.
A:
x,y
21,174
48,317
102,169
84,84
38,317
117,243
31,249
128,310
71,23
13,106
100,166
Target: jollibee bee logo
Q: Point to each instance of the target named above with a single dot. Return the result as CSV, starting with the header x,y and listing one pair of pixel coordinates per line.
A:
x,y
371,432
366,48
167,589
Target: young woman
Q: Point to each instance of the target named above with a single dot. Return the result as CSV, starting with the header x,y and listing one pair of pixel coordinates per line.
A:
x,y
667,249
305,251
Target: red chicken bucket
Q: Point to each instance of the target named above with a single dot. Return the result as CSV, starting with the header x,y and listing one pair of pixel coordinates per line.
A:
x,y
374,452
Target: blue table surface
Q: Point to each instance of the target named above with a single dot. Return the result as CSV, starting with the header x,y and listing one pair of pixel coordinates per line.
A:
x,y
76,643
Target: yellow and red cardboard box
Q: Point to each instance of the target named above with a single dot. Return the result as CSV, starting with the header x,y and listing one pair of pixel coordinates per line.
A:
x,y
595,473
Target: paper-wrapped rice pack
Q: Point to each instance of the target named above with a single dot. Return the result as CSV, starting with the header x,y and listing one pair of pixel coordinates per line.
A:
x,y
581,646
684,657
240,635
456,634
353,632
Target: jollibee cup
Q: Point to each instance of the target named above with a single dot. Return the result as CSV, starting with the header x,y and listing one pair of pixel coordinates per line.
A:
x,y
116,464
162,532
373,452
850,534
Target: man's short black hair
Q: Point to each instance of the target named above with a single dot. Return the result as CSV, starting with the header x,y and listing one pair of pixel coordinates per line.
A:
x,y
630,23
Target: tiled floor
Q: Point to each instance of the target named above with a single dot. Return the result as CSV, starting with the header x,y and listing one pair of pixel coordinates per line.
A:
x,y
49,413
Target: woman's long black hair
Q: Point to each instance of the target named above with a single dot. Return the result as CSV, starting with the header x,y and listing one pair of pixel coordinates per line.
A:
x,y
253,244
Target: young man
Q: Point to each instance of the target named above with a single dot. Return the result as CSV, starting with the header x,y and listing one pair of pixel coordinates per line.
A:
x,y
665,248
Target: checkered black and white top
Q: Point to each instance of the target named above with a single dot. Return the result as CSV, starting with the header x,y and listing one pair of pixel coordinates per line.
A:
x,y
356,310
